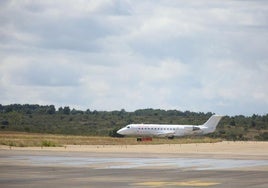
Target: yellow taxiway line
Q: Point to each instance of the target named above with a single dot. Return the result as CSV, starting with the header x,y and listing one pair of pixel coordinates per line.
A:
x,y
182,183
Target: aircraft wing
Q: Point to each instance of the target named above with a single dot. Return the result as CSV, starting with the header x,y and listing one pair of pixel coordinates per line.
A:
x,y
165,133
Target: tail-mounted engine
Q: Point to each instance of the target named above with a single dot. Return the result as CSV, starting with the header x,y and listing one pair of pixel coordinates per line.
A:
x,y
195,128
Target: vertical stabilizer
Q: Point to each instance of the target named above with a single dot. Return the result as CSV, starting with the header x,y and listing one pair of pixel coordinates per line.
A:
x,y
212,123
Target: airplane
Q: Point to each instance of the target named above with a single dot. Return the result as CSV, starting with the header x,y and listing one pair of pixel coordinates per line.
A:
x,y
170,131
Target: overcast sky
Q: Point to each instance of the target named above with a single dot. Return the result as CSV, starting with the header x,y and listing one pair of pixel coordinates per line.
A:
x,y
196,55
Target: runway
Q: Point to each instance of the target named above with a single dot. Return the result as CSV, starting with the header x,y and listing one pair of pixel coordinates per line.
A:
x,y
89,169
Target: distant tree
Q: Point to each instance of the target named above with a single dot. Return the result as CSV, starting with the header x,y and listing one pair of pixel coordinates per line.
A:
x,y
75,112
60,110
51,109
88,111
95,112
5,122
8,109
232,122
253,124
66,110
122,111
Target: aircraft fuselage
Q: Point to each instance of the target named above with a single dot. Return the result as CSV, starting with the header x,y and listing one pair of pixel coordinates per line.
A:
x,y
164,130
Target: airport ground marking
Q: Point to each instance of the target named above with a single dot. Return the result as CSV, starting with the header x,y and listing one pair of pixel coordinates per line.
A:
x,y
182,183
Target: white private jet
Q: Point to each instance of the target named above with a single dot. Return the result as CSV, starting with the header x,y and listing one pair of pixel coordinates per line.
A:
x,y
170,131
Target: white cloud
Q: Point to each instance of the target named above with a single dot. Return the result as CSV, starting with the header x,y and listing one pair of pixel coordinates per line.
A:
x,y
109,55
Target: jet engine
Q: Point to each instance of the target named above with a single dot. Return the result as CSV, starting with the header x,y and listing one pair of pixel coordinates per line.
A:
x,y
195,128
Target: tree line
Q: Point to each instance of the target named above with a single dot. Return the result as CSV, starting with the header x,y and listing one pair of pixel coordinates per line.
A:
x,y
64,120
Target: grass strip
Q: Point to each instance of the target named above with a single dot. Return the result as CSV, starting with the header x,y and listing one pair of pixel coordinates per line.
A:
x,y
20,139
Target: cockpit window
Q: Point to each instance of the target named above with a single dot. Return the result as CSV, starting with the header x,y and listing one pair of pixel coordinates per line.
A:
x,y
128,127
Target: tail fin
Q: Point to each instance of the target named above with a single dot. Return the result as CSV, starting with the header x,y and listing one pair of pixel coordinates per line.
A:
x,y
212,123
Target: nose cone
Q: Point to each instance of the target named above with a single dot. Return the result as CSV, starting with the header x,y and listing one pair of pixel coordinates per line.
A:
x,y
124,131
119,131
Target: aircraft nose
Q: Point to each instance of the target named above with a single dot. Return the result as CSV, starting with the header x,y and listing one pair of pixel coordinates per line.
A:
x,y
119,131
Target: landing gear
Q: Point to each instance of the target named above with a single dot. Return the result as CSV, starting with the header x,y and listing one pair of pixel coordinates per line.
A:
x,y
145,139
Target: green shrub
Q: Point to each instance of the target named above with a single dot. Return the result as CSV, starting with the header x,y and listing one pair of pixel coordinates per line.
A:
x,y
47,143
